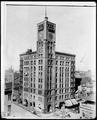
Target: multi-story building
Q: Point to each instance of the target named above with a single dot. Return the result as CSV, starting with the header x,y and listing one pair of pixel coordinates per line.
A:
x,y
88,109
9,76
46,76
82,78
16,85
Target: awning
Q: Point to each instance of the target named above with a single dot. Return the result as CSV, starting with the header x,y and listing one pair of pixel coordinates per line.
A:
x,y
68,103
74,101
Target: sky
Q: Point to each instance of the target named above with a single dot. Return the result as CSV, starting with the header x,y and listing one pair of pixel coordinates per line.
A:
x,y
75,33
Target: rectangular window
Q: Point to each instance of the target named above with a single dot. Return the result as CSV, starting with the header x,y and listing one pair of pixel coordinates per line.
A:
x,y
40,99
41,80
60,91
60,62
9,97
56,69
56,57
39,86
56,98
30,104
34,68
56,80
34,62
33,90
56,62
41,73
65,96
41,67
31,62
26,89
33,104
26,62
34,79
26,57
26,79
9,108
41,55
38,61
60,97
25,84
40,92
56,92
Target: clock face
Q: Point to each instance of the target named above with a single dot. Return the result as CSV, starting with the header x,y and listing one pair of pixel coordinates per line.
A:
x,y
50,36
51,27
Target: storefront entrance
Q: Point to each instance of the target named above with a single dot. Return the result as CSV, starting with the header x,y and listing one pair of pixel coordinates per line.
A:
x,y
48,108
26,102
61,104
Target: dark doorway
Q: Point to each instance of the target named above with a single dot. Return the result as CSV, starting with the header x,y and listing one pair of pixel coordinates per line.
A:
x,y
33,104
48,108
61,104
26,102
77,83
30,104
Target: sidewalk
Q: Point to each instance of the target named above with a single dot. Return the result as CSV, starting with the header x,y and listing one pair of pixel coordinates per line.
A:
x,y
39,114
26,108
21,113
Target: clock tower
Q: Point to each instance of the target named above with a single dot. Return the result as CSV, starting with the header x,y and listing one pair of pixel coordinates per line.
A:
x,y
46,51
46,34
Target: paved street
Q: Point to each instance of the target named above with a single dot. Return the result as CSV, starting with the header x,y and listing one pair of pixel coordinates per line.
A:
x,y
19,112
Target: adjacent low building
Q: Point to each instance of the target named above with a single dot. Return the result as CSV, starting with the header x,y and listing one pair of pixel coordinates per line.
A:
x,y
82,78
88,109
16,85
9,76
87,85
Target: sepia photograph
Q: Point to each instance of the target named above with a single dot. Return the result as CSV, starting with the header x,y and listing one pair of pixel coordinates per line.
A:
x,y
48,60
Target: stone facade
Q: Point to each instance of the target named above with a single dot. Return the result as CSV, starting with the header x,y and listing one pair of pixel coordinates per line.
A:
x,y
46,76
